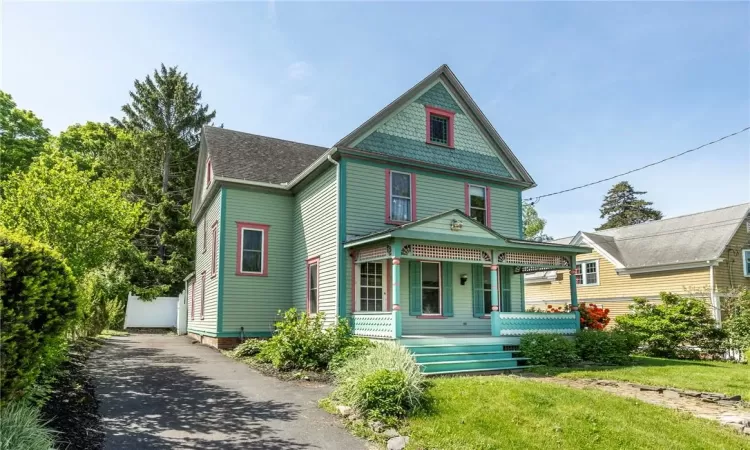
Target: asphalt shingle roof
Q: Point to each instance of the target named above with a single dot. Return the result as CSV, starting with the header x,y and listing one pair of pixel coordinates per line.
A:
x,y
251,157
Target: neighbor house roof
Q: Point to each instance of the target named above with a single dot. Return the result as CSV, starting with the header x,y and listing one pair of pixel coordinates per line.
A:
x,y
245,156
684,240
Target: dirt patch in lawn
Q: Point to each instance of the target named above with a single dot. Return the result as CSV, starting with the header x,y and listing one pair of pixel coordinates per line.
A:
x,y
733,414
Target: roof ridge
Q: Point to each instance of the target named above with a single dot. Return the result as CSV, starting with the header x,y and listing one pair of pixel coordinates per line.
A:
x,y
264,136
747,205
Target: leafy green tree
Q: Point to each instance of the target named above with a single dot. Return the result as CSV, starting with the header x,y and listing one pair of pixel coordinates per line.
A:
x,y
22,136
165,115
85,217
622,207
533,225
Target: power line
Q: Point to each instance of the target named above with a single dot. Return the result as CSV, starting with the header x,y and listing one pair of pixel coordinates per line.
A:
x,y
534,200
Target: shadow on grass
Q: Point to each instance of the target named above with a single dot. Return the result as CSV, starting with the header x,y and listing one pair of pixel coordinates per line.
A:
x,y
150,402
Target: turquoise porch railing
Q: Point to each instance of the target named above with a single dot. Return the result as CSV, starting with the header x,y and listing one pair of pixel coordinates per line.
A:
x,y
520,323
373,325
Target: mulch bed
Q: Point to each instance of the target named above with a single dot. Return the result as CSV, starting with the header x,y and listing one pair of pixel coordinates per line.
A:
x,y
72,409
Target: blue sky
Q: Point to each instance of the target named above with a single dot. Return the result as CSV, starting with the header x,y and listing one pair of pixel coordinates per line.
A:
x,y
579,91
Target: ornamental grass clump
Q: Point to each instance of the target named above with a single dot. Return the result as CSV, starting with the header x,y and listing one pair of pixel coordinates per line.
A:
x,y
383,383
250,347
21,428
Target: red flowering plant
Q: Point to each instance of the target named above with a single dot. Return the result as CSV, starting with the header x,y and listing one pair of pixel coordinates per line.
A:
x,y
593,317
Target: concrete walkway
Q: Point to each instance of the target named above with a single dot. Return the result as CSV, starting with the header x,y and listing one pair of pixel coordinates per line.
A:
x,y
164,392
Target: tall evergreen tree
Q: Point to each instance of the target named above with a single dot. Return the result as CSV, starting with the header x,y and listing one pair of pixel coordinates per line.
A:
x,y
622,207
164,116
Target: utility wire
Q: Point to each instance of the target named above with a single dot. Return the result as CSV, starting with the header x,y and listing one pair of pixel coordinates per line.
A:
x,y
536,199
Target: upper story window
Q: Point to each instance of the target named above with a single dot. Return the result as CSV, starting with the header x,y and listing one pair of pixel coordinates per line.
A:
x,y
478,204
587,273
214,247
401,201
205,236
746,262
252,249
439,126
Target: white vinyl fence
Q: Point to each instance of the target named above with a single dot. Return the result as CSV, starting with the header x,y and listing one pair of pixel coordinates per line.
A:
x,y
158,313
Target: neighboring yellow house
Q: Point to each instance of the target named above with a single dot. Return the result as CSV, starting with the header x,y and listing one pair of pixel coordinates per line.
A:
x,y
704,254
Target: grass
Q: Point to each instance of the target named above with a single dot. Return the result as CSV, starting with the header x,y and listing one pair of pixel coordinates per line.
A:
x,y
21,427
706,376
507,412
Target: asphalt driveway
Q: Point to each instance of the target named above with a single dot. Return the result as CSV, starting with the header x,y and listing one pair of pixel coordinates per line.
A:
x,y
164,392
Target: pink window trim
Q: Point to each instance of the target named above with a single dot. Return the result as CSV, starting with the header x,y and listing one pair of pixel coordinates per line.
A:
x,y
413,180
487,203
309,262
192,300
208,173
203,295
387,287
214,249
264,257
450,115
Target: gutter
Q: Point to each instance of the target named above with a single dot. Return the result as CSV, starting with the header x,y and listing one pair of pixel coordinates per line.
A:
x,y
338,223
667,267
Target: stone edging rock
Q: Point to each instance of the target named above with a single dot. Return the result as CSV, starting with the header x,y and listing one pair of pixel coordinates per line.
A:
x,y
395,441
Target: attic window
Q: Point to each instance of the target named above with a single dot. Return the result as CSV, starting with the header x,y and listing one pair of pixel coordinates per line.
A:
x,y
439,124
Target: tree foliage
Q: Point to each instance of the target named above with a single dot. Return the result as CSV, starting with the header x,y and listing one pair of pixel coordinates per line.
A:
x,y
83,216
22,136
533,225
621,207
737,320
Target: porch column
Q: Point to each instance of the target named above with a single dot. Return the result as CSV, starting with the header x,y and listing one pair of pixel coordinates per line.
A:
x,y
574,291
495,314
395,289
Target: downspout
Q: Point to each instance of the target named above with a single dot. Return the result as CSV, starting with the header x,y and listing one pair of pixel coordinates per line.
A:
x,y
338,243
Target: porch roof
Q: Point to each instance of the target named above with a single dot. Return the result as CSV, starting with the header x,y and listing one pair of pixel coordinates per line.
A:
x,y
476,234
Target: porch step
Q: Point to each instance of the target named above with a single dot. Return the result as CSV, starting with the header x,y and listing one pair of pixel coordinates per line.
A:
x,y
481,371
452,348
461,356
469,365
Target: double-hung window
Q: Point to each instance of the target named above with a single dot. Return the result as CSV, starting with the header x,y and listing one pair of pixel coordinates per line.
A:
x,y
313,280
252,249
431,304
478,203
400,205
214,245
203,295
487,290
587,273
371,286
746,262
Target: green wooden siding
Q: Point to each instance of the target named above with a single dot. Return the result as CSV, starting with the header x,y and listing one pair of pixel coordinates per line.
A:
x,y
203,263
315,236
253,302
442,225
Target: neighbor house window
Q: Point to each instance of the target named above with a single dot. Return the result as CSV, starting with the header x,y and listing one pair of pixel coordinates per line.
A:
x,y
371,282
214,250
252,249
478,203
203,294
313,275
587,273
746,262
400,202
439,126
487,290
431,288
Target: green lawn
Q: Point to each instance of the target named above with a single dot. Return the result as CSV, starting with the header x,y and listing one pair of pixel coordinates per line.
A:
x,y
706,376
503,412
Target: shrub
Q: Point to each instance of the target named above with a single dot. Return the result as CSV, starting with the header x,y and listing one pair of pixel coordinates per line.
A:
x,y
302,342
384,382
549,350
21,428
665,328
38,300
605,347
115,309
593,317
250,347
737,321
352,348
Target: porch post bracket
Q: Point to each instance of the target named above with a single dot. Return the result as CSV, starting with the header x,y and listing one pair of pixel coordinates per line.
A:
x,y
495,314
395,288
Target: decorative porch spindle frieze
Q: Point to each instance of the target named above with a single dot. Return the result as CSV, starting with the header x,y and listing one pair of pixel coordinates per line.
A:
x,y
369,254
539,260
445,253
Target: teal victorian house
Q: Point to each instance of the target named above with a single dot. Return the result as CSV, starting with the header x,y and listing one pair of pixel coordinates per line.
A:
x,y
410,226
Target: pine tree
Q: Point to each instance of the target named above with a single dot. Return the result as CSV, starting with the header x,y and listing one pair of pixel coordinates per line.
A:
x,y
165,116
621,207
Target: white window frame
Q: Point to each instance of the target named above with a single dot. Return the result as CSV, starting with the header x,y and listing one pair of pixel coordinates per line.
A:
x,y
745,256
422,288
262,249
499,290
391,196
358,284
484,189
313,267
583,272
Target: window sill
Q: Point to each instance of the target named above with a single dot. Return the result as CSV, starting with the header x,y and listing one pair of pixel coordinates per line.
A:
x,y
586,285
251,274
367,313
397,222
213,275
437,144
431,317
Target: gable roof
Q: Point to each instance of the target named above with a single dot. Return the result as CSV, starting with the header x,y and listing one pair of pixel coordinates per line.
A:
x,y
446,75
690,239
245,156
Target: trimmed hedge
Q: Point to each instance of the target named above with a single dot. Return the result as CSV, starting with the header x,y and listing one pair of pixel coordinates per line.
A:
x,y
38,301
606,347
550,350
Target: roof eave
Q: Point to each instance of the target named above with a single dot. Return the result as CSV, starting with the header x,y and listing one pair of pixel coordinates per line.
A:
x,y
668,267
